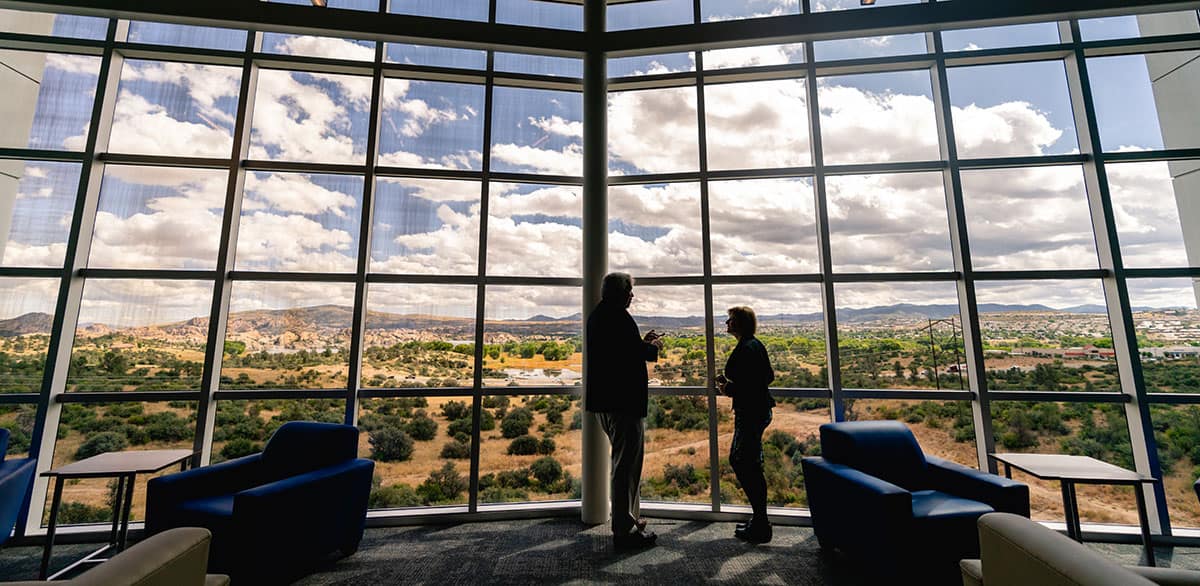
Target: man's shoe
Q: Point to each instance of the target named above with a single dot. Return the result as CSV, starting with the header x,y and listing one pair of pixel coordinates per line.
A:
x,y
635,540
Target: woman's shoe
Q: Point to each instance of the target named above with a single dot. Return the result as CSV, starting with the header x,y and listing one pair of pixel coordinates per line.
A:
x,y
755,531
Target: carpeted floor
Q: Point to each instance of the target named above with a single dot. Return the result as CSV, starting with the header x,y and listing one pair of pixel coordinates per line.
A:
x,y
564,551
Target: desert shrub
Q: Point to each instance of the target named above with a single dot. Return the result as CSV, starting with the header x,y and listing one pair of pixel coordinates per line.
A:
x,y
456,450
546,470
421,427
516,423
390,445
525,445
452,410
442,485
107,441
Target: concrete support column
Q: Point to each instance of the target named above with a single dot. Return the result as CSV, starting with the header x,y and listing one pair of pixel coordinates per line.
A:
x,y
595,243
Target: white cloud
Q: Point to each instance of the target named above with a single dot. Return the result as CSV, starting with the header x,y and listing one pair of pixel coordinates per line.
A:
x,y
298,194
143,127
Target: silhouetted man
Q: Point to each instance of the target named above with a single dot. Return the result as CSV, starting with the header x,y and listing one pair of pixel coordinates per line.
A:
x,y
617,393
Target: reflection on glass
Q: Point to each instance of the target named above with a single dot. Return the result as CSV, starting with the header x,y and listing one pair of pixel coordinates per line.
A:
x,y
1138,100
136,335
754,125
1046,336
677,315
159,33
535,230
653,131
288,336
431,124
1029,218
531,337
158,218
49,99
762,226
896,222
86,430
421,447
26,314
312,117
530,448
1154,205
1168,332
676,464
878,117
900,336
425,226
42,196
537,131
168,108
789,325
1080,429
655,229
998,112
945,429
419,336
299,222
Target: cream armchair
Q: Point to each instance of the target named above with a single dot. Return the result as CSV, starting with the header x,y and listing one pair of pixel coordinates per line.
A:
x,y
178,557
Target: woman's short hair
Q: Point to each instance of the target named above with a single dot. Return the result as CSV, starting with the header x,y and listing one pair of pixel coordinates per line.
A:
x,y
616,285
745,322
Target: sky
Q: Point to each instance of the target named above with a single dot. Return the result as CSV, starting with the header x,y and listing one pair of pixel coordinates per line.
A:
x,y
162,218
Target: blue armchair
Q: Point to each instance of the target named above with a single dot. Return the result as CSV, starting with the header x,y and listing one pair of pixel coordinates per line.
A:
x,y
16,480
275,514
878,498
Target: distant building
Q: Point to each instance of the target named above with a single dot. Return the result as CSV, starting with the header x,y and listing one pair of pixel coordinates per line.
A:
x,y
1171,352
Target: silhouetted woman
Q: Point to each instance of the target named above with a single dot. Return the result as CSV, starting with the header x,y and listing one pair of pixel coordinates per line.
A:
x,y
747,375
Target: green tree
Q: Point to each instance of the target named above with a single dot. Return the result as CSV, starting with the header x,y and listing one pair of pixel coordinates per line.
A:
x,y
390,445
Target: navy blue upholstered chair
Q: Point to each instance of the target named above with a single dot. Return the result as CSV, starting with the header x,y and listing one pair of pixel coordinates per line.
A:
x,y
16,480
273,515
878,498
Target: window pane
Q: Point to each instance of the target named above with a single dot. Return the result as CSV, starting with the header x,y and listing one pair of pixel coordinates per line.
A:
x,y
88,430
945,429
299,222
1012,110
434,56
459,9
1146,25
1029,218
421,447
535,230
880,223
827,5
49,99
60,25
1155,206
1046,336
653,131
539,64
878,117
763,226
1168,331
532,452
649,14
1144,102
1175,439
537,131
18,420
997,37
676,466
754,56
539,13
140,336
651,64
419,336
244,426
655,229
314,117
677,314
323,47
789,325
159,33
287,336
431,124
158,218
711,10
41,198
168,108
792,435
371,5
1082,429
26,314
425,226
901,336
757,125
869,47
532,336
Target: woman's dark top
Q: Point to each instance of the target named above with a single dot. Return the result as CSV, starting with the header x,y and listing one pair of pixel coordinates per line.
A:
x,y
749,372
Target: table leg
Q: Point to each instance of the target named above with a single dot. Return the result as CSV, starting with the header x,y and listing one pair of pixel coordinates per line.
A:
x,y
1007,471
118,498
1071,511
1144,521
125,514
48,548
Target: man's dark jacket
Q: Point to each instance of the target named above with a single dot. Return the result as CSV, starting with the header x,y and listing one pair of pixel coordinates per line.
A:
x,y
616,364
